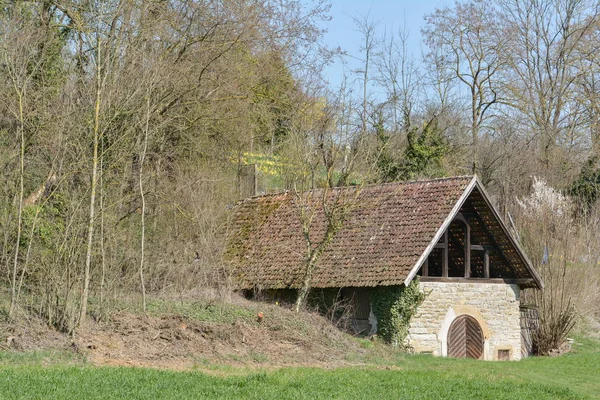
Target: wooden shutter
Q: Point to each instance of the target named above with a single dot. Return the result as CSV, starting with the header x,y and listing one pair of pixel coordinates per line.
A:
x,y
465,338
358,298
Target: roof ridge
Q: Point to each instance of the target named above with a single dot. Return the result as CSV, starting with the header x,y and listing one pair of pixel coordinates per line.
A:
x,y
370,185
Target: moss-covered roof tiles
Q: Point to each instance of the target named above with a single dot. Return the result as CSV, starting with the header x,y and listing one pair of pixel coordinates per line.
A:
x,y
387,230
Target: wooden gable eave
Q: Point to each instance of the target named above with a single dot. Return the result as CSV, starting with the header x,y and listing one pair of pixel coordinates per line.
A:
x,y
438,235
534,274
476,184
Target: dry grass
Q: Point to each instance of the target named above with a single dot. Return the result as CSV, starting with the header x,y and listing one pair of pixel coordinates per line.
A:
x,y
182,331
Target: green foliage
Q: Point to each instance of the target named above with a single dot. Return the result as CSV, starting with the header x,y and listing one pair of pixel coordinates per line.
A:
x,y
273,99
423,156
51,75
394,307
586,188
45,221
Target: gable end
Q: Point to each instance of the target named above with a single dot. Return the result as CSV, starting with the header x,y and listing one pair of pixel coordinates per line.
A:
x,y
503,259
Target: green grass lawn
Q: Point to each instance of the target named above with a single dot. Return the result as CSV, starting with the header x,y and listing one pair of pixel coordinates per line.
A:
x,y
572,376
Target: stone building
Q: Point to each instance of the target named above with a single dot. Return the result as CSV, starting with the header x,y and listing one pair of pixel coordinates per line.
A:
x,y
445,233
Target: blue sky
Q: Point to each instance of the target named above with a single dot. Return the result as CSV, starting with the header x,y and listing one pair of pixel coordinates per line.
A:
x,y
389,14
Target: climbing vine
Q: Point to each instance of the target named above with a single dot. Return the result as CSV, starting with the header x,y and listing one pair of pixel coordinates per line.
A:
x,y
394,306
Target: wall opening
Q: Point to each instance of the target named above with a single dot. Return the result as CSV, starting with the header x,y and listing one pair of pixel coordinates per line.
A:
x,y
503,355
465,338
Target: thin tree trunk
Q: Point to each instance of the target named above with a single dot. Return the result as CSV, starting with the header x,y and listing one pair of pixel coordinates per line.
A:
x,y
102,248
5,256
90,236
13,282
475,115
143,238
27,254
475,156
335,217
306,283
595,136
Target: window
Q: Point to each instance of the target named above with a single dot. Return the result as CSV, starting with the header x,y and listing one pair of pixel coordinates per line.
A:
x,y
457,244
435,262
503,355
457,254
478,263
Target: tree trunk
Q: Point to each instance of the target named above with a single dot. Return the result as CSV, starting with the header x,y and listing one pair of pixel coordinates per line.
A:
x,y
595,136
102,247
475,128
305,289
13,281
143,219
92,215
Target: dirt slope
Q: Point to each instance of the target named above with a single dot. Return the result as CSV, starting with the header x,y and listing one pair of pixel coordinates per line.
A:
x,y
180,341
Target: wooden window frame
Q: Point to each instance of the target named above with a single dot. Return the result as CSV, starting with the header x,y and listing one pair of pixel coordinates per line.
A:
x,y
467,253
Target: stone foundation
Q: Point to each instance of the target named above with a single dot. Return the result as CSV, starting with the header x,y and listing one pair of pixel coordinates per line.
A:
x,y
495,306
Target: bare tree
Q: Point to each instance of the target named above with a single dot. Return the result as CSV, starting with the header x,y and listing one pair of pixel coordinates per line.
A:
x,y
368,52
399,75
587,83
332,205
21,63
542,40
463,40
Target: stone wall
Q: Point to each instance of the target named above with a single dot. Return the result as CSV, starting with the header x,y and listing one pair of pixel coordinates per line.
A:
x,y
495,306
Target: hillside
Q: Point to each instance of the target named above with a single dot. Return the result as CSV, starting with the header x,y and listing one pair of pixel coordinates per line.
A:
x,y
183,334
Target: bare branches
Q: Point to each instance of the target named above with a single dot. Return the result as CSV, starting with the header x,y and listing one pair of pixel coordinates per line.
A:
x,y
464,41
127,102
541,78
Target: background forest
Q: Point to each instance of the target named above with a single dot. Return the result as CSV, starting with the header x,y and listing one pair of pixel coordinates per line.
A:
x,y
127,128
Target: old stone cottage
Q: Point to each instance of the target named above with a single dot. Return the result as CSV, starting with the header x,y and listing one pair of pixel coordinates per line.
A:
x,y
443,233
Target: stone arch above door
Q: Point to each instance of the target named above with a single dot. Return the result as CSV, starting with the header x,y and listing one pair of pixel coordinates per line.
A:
x,y
473,312
455,312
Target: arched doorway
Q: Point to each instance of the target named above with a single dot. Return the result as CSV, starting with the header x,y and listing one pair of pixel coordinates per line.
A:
x,y
465,338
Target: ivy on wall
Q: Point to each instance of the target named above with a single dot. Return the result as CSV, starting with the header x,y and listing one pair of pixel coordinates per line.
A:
x,y
394,306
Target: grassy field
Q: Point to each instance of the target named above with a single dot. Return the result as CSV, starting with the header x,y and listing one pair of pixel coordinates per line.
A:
x,y
62,376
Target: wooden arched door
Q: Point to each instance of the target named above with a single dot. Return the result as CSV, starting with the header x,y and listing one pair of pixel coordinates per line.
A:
x,y
465,338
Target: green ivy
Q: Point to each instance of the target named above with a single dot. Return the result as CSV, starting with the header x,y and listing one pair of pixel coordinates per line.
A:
x,y
586,188
47,219
394,306
424,154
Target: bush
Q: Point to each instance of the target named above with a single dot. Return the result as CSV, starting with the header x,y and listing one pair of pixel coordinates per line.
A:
x,y
555,241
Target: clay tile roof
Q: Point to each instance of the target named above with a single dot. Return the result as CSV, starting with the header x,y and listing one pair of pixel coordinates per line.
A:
x,y
387,229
